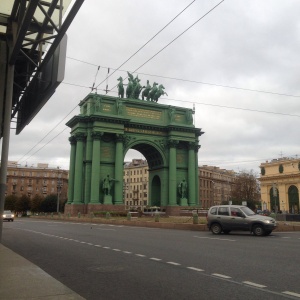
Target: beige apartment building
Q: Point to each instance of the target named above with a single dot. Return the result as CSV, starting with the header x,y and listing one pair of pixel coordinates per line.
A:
x,y
40,180
280,184
135,185
215,185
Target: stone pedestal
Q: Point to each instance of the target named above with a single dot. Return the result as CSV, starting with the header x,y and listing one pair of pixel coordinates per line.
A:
x,y
183,202
107,199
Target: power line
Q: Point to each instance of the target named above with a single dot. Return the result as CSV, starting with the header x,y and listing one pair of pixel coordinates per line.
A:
x,y
217,105
232,107
175,38
20,160
98,67
190,81
178,100
180,35
149,41
48,142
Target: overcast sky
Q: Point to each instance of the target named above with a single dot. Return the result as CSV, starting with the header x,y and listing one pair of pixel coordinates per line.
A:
x,y
239,66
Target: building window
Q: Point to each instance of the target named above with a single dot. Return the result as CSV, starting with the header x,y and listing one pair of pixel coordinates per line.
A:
x,y
280,168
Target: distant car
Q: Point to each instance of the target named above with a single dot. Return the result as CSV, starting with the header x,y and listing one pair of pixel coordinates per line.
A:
x,y
226,218
8,216
264,212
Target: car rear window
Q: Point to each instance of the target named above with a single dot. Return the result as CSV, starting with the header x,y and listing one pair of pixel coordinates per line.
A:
x,y
223,211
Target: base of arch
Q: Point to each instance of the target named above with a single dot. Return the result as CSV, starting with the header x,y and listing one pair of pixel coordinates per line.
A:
x,y
74,209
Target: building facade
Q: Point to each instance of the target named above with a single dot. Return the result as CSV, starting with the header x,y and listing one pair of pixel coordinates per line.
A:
x,y
215,185
280,184
40,180
136,183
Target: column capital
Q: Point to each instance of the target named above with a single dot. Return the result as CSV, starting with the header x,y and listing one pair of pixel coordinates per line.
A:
x,y
72,140
120,138
173,143
96,135
194,146
80,136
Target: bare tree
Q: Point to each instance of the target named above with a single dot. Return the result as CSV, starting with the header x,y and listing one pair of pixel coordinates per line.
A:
x,y
246,188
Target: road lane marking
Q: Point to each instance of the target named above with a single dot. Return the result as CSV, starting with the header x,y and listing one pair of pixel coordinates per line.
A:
x,y
98,246
90,244
117,250
254,284
141,255
156,259
221,275
173,263
127,252
106,247
291,294
195,269
220,239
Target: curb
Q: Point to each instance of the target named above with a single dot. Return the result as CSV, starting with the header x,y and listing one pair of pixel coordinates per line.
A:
x,y
285,227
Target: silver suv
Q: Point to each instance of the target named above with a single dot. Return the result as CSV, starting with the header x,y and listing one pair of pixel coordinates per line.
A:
x,y
226,218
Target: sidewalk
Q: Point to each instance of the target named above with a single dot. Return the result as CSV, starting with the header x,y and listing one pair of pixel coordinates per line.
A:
x,y
21,279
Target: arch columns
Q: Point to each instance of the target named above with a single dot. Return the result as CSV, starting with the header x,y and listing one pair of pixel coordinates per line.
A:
x,y
119,169
172,173
191,175
95,176
88,166
71,170
80,137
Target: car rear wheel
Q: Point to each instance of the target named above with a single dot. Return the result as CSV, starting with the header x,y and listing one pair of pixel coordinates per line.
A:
x,y
258,230
216,228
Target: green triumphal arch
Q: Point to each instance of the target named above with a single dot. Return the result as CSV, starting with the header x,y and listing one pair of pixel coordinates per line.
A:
x,y
106,128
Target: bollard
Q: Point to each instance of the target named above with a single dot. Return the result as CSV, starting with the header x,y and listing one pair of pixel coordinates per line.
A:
x,y
156,216
195,218
92,215
129,216
107,216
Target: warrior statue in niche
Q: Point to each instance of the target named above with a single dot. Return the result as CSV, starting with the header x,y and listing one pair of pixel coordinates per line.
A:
x,y
107,184
182,188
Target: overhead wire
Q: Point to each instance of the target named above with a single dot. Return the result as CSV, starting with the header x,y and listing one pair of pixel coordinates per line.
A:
x,y
191,81
93,87
168,77
177,37
149,40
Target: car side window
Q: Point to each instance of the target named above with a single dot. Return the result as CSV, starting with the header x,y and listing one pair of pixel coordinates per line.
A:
x,y
235,212
223,211
213,211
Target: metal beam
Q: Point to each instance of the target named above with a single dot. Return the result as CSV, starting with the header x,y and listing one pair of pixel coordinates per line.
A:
x,y
22,29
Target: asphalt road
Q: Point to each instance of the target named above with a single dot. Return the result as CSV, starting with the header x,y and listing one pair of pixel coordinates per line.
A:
x,y
100,261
